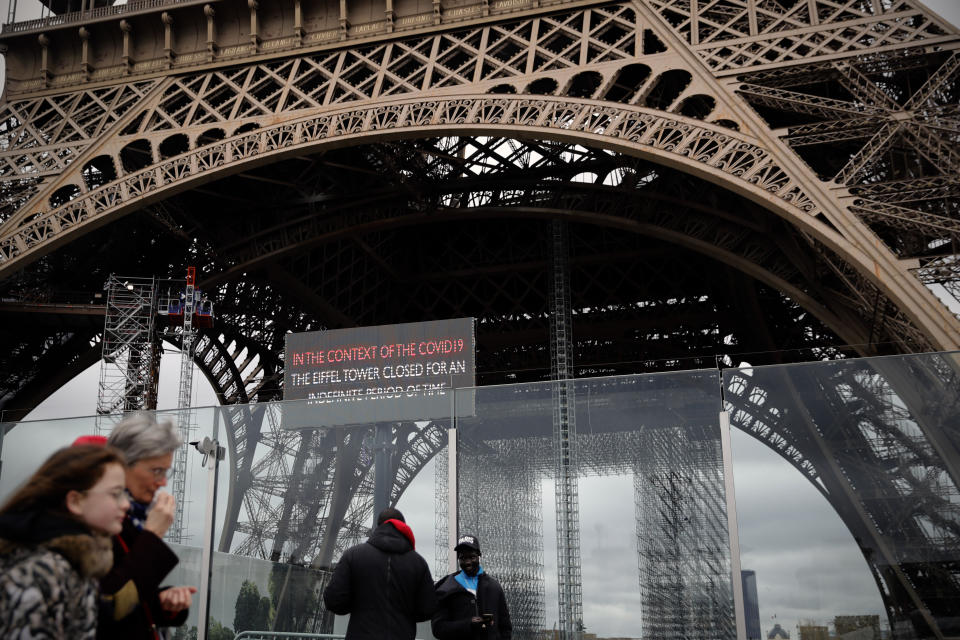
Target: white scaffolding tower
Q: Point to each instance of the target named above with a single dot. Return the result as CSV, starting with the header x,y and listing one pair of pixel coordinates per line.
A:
x,y
185,419
129,365
565,435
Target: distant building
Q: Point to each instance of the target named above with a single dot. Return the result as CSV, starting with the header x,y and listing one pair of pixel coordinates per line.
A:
x,y
813,632
778,633
857,627
751,604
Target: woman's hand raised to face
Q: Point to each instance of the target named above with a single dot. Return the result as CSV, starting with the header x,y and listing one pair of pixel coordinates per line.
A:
x,y
161,514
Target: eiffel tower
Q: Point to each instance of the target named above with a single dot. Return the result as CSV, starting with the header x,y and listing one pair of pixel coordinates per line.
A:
x,y
769,180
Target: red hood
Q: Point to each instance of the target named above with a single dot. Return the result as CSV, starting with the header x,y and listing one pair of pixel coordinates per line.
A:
x,y
402,527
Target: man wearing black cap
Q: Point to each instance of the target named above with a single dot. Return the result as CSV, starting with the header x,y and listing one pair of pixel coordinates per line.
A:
x,y
383,584
471,604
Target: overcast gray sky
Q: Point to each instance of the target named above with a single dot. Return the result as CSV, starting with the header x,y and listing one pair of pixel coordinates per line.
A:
x,y
948,9
808,567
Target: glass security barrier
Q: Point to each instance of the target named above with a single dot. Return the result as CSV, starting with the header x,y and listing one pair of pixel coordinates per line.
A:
x,y
847,497
26,444
599,504
302,484
294,489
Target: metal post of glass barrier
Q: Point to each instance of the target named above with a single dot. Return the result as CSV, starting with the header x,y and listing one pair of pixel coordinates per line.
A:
x,y
452,481
732,530
3,431
213,453
383,450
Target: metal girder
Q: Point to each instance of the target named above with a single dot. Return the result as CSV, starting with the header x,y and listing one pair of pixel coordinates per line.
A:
x,y
805,103
697,223
832,131
689,145
928,188
758,35
41,364
905,218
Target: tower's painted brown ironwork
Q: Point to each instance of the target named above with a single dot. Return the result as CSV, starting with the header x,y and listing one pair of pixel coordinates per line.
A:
x,y
759,180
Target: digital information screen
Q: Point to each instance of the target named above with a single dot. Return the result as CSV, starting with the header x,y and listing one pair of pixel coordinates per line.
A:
x,y
388,373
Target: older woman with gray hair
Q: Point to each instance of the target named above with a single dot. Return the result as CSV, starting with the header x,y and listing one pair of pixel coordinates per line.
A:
x,y
141,558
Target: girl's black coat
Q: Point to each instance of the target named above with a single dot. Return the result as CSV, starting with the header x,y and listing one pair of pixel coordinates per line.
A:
x,y
456,606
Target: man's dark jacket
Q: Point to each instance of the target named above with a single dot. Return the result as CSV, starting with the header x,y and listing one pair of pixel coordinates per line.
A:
x,y
140,562
384,585
456,606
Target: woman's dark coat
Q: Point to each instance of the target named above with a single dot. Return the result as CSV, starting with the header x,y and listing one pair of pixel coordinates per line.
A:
x,y
134,585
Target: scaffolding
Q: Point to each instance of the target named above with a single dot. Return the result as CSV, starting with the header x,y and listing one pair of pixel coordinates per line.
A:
x,y
504,509
185,420
682,544
663,432
130,366
441,523
565,433
130,363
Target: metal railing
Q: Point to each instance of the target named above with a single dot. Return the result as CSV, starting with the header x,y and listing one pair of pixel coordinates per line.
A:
x,y
91,14
281,635
271,635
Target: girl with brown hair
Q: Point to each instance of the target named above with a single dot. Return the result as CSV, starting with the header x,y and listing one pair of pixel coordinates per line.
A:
x,y
55,544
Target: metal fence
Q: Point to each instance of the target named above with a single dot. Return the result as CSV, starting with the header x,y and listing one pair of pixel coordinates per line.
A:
x,y
279,635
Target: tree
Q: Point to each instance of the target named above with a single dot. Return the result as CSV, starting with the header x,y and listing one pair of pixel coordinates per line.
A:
x,y
293,593
216,632
252,610
182,633
219,632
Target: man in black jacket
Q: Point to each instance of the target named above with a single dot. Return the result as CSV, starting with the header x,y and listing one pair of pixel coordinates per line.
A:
x,y
471,604
383,584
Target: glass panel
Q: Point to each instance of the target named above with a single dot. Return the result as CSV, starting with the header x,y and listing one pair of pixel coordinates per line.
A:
x,y
187,573
644,445
847,497
27,444
298,489
195,424
504,468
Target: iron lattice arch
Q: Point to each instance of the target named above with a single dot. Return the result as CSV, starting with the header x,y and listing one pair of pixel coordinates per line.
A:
x,y
768,181
582,52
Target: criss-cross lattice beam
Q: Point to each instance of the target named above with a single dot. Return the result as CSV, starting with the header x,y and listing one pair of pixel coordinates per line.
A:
x,y
713,149
42,136
731,36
